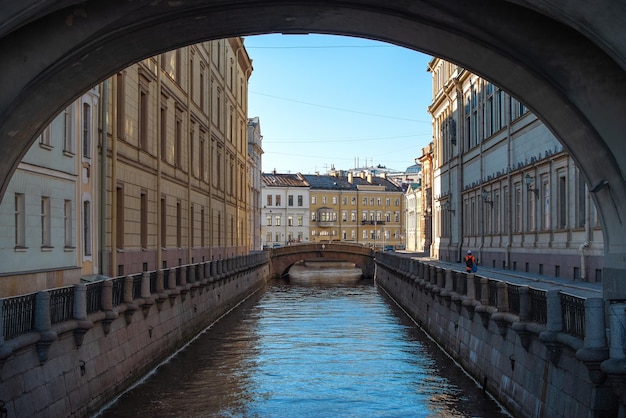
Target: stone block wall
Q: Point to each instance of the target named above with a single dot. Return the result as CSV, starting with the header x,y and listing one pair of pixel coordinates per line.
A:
x,y
55,374
530,370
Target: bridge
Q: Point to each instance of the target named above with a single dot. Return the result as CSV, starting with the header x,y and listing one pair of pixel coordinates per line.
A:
x,y
283,258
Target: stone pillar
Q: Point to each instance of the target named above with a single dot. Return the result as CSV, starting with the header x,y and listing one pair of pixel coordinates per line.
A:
x,y
107,306
80,301
129,299
595,349
80,314
502,299
43,324
471,286
484,291
554,325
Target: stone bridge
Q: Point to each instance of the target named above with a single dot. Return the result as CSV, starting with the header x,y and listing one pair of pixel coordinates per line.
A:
x,y
284,257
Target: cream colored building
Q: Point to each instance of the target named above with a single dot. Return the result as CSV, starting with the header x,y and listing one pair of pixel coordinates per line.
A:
x,y
177,163
285,211
503,186
363,209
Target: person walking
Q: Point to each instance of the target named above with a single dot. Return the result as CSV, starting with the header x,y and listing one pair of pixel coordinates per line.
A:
x,y
470,262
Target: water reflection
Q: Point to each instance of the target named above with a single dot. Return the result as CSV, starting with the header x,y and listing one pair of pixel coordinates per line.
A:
x,y
309,351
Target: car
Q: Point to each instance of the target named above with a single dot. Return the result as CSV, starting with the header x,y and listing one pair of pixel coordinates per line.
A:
x,y
276,245
389,248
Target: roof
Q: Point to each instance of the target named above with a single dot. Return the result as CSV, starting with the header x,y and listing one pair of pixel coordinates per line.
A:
x,y
284,180
326,182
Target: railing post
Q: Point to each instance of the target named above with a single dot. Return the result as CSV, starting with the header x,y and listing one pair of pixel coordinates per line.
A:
x,y
554,325
595,349
502,297
107,306
131,307
146,294
80,314
43,325
524,317
615,366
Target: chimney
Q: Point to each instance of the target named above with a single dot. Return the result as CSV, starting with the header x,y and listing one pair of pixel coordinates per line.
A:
x,y
369,178
350,178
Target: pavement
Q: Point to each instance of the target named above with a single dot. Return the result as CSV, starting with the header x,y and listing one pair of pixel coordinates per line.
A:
x,y
534,280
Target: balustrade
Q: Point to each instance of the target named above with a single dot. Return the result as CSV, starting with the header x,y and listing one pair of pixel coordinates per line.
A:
x,y
43,311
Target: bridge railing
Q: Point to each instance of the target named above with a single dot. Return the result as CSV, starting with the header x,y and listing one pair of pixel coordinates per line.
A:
x,y
39,312
556,317
322,246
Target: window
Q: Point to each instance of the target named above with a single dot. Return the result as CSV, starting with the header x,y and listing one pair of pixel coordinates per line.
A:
x,y
364,234
120,88
353,216
178,142
164,131
290,200
313,216
268,237
323,200
67,223
353,200
518,208
143,228
119,238
277,219
371,201
20,221
300,200
143,119
364,215
163,222
269,200
300,220
268,220
334,200
86,130
344,216
202,228
562,202
545,203
379,201
344,200
581,210
290,221
313,200
68,143
278,200
179,224
388,217
397,202
45,222
45,138
87,228
364,201
388,201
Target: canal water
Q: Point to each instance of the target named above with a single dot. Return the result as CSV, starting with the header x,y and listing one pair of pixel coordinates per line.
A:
x,y
309,351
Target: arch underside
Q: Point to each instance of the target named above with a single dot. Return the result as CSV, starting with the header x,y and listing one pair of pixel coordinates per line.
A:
x,y
564,59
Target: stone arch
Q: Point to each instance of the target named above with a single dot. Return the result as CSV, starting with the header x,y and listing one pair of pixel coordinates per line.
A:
x,y
564,59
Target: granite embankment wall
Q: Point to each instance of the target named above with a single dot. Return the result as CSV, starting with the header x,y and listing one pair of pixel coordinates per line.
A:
x,y
119,329
536,351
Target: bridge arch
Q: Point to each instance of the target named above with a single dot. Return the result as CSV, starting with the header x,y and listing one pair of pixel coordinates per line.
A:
x,y
283,258
564,59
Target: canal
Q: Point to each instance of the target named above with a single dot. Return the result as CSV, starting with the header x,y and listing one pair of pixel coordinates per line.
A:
x,y
309,351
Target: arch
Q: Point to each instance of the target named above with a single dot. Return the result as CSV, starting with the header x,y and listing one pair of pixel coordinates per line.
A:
x,y
283,258
564,59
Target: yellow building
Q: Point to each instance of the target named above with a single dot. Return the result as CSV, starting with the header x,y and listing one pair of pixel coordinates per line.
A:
x,y
362,209
177,163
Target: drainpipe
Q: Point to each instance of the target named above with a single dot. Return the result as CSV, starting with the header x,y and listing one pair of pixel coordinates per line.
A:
x,y
104,97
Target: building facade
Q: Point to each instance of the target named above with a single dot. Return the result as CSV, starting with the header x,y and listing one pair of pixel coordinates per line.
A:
x,y
255,155
48,238
175,185
363,209
177,163
285,210
502,184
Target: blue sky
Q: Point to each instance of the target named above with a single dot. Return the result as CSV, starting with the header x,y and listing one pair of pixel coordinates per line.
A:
x,y
329,100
